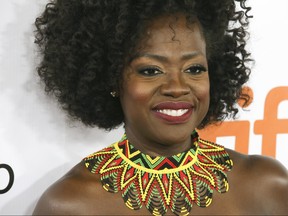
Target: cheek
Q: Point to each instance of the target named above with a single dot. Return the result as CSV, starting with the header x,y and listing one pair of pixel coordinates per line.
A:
x,y
203,90
134,96
136,91
203,95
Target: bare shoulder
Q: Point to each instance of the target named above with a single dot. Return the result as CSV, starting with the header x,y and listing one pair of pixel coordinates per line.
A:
x,y
259,164
265,178
70,194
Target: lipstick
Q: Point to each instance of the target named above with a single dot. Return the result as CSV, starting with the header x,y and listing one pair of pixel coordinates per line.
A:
x,y
173,112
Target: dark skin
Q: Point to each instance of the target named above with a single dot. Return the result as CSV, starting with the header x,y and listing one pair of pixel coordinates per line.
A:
x,y
171,68
258,185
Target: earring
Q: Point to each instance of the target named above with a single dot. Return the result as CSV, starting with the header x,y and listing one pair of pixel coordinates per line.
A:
x,y
113,94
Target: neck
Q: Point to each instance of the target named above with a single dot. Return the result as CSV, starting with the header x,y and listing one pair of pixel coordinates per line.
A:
x,y
153,147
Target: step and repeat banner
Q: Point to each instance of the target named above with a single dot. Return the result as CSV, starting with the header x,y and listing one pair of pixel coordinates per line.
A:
x,y
38,144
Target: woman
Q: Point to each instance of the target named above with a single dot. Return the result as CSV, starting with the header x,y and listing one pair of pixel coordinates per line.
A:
x,y
163,68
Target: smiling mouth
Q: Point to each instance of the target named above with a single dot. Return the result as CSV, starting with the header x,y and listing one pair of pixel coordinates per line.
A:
x,y
172,112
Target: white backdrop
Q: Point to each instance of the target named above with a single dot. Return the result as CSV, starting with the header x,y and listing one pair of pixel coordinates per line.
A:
x,y
40,145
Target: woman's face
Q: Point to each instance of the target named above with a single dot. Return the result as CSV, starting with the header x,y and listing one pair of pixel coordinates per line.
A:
x,y
165,92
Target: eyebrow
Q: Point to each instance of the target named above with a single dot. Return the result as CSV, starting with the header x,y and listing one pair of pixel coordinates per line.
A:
x,y
163,58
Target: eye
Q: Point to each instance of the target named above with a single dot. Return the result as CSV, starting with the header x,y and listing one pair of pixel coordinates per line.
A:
x,y
150,71
196,69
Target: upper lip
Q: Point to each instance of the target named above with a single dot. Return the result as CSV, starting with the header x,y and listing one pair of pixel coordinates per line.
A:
x,y
173,105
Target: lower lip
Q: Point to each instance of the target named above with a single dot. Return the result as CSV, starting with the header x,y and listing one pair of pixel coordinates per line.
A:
x,y
174,119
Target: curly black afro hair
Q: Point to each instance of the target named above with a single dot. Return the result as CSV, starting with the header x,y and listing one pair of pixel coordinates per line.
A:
x,y
84,44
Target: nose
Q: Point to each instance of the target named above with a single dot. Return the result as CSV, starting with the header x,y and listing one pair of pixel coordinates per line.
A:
x,y
175,85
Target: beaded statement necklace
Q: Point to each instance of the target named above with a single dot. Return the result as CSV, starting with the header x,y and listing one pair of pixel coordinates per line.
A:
x,y
162,183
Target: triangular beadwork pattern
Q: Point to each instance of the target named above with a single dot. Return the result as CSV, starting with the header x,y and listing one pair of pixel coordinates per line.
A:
x,y
162,183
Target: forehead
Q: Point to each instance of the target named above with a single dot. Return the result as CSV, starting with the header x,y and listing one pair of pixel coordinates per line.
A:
x,y
167,30
177,20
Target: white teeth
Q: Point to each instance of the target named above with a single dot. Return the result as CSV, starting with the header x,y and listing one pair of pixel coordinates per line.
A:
x,y
170,112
